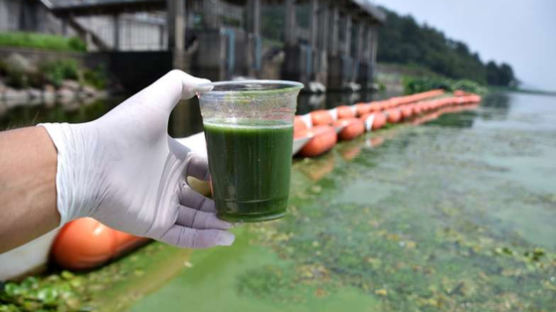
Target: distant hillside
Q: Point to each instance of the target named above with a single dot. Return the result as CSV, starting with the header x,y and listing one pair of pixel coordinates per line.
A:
x,y
403,41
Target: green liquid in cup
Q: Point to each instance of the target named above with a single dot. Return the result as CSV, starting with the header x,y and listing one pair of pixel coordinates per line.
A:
x,y
250,166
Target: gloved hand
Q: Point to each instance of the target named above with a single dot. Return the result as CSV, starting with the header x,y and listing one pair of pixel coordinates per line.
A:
x,y
124,170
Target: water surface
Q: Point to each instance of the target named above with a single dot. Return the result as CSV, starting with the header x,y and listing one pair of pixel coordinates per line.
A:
x,y
457,214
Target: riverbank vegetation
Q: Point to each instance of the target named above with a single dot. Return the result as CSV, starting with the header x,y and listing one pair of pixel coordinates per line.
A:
x,y
18,72
41,41
413,84
404,41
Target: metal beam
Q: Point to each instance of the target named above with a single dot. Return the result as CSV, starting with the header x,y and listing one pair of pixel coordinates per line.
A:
x,y
107,7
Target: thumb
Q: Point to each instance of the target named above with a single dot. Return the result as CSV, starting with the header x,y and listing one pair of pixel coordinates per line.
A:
x,y
168,90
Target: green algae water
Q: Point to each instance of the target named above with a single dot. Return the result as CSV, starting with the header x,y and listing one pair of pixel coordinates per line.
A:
x,y
456,214
250,165
453,215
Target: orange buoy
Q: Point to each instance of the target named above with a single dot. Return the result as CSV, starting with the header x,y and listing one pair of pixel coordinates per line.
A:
x,y
379,120
416,109
324,138
345,112
474,98
407,111
375,106
353,127
385,105
368,121
459,93
86,243
446,101
362,108
393,115
394,102
321,117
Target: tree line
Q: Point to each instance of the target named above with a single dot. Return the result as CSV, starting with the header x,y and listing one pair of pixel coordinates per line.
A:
x,y
402,40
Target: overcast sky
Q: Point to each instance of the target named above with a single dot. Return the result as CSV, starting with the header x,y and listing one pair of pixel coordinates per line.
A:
x,y
521,33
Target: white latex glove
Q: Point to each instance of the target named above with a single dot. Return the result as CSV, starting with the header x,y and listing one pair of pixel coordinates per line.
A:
x,y
124,170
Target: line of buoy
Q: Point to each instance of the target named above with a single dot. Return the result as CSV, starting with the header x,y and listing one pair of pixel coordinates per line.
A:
x,y
321,129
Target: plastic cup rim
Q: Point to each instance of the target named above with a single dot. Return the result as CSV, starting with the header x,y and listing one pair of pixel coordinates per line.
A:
x,y
289,85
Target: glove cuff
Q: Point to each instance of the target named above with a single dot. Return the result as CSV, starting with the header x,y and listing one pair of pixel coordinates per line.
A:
x,y
75,170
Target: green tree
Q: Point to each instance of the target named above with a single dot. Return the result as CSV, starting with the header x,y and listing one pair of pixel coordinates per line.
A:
x,y
492,73
402,40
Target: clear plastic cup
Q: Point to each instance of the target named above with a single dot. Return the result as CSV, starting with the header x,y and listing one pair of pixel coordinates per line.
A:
x,y
249,133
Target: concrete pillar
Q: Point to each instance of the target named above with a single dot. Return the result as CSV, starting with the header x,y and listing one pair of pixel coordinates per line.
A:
x,y
376,45
347,36
175,11
116,28
253,31
212,55
360,41
89,41
254,16
314,19
290,37
336,59
211,14
313,38
368,43
323,28
333,33
64,26
161,37
371,54
321,66
374,48
292,67
190,7
359,57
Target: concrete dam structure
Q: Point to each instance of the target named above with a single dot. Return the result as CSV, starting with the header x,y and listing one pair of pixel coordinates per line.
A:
x,y
327,45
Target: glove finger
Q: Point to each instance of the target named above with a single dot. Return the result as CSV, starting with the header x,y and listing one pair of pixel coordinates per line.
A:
x,y
185,237
170,88
181,151
197,166
196,219
190,198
